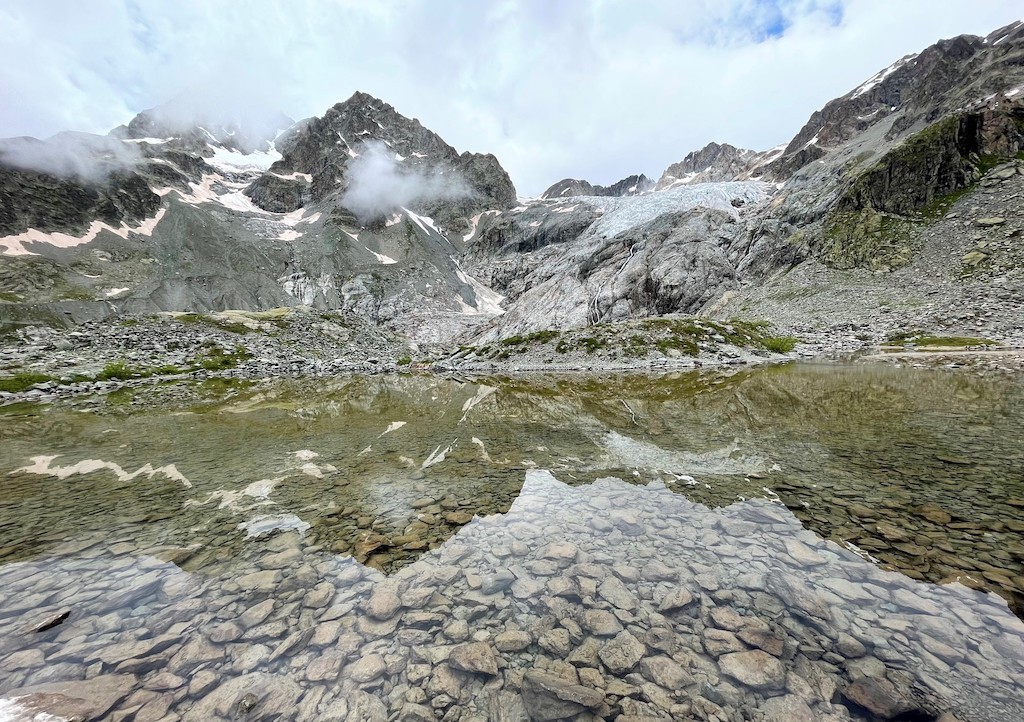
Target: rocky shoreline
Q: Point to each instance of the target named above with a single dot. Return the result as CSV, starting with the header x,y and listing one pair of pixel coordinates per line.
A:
x,y
41,364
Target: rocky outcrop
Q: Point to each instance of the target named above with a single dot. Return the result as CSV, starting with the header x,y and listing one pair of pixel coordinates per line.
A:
x,y
614,259
962,73
277,194
177,122
871,223
713,163
46,202
628,186
196,223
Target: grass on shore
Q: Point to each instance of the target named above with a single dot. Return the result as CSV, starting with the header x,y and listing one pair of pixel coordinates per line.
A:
x,y
919,338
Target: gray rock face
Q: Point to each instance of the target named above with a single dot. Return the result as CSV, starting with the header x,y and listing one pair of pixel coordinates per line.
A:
x,y
47,202
675,262
711,164
186,239
323,148
629,186
279,195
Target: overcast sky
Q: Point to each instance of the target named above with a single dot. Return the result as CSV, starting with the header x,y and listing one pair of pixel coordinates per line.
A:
x,y
592,89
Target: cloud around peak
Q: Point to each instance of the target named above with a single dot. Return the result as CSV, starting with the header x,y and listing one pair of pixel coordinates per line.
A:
x,y
378,183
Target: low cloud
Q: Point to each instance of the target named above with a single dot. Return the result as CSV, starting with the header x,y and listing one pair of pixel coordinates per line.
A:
x,y
379,184
81,156
243,124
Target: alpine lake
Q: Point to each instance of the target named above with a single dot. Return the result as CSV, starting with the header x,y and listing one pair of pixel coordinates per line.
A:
x,y
781,543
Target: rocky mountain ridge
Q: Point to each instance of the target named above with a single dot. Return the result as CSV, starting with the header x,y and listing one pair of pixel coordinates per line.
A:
x,y
716,163
365,211
632,185
189,223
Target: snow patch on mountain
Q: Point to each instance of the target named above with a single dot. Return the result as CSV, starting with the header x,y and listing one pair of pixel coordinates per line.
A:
x,y
488,301
881,75
475,221
235,161
15,245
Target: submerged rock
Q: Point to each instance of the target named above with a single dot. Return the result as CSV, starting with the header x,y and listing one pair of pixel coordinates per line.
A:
x,y
477,657
548,697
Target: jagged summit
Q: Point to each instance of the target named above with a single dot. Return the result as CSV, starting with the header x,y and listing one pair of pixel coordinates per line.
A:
x,y
713,163
1014,32
628,186
955,74
318,152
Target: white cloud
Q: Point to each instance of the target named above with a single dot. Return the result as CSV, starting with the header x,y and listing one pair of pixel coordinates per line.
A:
x,y
594,89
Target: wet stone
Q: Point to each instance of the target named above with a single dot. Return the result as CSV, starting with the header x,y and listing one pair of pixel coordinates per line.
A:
x,y
256,694
560,551
719,641
366,669
601,622
224,632
621,654
477,657
457,631
788,708
665,672
586,654
548,697
196,652
319,596
615,593
265,581
679,598
763,639
877,697
555,642
382,604
282,560
325,666
849,647
755,669
512,641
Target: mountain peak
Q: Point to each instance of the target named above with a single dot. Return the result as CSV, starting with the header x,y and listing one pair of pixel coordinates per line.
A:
x,y
629,186
713,163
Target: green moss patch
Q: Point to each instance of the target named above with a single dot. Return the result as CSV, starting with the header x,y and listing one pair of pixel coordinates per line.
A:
x,y
218,359
919,338
23,381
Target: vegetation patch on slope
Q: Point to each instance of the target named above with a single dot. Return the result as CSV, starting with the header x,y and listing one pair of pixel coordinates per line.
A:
x,y
920,338
627,342
877,220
